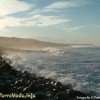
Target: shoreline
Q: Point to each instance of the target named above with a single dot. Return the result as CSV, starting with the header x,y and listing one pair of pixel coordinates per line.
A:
x,y
14,81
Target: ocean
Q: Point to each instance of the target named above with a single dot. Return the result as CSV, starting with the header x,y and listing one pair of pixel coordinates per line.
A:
x,y
77,66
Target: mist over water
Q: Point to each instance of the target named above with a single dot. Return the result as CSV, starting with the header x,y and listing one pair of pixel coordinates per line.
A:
x,y
78,66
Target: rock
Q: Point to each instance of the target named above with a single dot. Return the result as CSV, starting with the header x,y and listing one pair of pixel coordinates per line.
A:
x,y
41,87
67,86
58,84
26,90
62,96
47,85
19,82
55,90
19,74
80,94
14,81
26,75
49,95
13,72
6,88
33,87
1,87
7,68
91,93
20,89
33,75
74,93
40,96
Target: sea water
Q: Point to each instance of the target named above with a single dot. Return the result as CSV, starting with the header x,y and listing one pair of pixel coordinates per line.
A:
x,y
77,66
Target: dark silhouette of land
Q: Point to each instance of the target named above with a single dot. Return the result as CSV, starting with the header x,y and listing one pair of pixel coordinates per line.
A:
x,y
14,81
27,44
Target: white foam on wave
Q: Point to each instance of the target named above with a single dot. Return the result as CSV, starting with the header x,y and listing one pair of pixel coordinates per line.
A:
x,y
82,46
61,68
55,51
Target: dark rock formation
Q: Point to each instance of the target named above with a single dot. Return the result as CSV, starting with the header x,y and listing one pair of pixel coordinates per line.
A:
x,y
14,81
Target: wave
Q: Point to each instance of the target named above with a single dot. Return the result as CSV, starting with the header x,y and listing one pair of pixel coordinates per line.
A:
x,y
75,68
56,51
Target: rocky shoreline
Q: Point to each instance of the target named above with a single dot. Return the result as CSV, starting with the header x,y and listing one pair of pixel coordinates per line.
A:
x,y
17,82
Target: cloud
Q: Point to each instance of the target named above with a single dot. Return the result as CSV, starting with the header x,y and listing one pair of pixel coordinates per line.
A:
x,y
65,4
58,5
75,28
98,26
13,6
49,20
10,22
35,20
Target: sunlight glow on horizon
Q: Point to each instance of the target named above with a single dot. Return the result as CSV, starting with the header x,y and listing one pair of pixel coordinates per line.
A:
x,y
72,21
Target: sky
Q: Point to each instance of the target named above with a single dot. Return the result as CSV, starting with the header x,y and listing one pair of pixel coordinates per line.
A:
x,y
60,21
